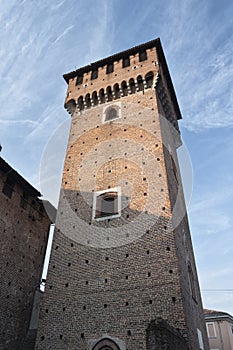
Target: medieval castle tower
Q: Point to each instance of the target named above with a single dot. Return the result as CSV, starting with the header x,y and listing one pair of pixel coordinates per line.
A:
x,y
122,273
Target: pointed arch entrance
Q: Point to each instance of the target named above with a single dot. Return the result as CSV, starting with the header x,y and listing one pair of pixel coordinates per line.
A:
x,y
106,344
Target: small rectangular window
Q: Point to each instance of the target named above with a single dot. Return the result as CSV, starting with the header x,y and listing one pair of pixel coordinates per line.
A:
x,y
109,68
8,187
211,330
125,62
94,74
142,56
79,79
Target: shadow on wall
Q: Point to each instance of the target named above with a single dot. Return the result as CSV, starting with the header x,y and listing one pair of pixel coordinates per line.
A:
x,y
162,336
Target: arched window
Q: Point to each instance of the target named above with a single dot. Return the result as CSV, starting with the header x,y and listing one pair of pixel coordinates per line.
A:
x,y
80,103
124,88
70,106
106,204
88,100
116,90
109,93
95,98
149,80
140,83
102,96
111,113
132,86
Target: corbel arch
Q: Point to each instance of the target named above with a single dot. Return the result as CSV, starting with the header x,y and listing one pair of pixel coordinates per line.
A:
x,y
70,106
132,86
88,100
149,80
140,83
80,103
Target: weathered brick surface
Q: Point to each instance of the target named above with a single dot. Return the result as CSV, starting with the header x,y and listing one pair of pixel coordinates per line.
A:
x,y
112,278
24,233
161,336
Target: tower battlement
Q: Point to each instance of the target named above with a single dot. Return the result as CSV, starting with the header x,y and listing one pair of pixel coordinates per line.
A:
x,y
120,75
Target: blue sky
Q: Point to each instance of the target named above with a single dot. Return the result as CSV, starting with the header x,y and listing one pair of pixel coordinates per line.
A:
x,y
41,40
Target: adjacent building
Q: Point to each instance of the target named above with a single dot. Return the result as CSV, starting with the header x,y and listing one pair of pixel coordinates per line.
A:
x,y
219,329
122,273
24,227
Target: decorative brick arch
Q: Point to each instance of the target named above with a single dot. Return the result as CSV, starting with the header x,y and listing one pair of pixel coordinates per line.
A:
x,y
106,344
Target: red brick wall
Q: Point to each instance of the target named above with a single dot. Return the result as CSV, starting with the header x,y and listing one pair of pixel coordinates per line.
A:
x,y
112,278
24,233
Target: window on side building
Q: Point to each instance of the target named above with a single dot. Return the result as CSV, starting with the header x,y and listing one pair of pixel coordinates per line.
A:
x,y
211,331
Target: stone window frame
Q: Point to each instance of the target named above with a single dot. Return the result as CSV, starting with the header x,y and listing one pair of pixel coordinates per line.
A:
x,y
117,105
109,191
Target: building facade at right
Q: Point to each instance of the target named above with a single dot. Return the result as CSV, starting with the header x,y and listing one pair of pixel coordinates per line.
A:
x,y
219,329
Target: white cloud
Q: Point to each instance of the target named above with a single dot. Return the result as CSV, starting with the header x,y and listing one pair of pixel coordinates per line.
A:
x,y
16,122
202,64
66,31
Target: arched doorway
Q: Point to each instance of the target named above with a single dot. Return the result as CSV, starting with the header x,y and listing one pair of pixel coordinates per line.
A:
x,y
106,344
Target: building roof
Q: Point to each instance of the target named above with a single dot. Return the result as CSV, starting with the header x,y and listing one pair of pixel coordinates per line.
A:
x,y
211,314
116,57
8,170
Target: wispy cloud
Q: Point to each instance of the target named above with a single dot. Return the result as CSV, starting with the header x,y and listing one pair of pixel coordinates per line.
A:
x,y
66,31
16,122
208,215
201,63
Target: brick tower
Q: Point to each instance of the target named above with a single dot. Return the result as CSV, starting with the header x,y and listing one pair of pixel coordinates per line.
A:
x,y
122,273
